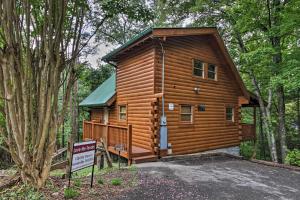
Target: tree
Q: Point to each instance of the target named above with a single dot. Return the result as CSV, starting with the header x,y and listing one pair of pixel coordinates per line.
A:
x,y
40,40
132,16
258,34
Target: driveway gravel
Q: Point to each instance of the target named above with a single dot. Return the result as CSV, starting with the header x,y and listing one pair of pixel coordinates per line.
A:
x,y
216,177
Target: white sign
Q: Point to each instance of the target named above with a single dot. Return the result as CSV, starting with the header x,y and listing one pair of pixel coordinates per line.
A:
x,y
171,106
83,155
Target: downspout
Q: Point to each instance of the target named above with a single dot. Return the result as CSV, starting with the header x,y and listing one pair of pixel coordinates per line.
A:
x,y
163,119
163,79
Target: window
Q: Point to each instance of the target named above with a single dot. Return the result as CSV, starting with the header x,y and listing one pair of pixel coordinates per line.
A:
x,y
201,108
198,68
229,114
122,112
211,72
186,113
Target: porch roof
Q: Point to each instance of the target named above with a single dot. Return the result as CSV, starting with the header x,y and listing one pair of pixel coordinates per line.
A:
x,y
103,95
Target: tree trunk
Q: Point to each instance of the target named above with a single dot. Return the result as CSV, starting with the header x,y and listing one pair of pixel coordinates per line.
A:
x,y
274,22
74,124
281,121
266,117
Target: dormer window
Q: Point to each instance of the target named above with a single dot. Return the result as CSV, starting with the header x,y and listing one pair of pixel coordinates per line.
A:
x,y
198,68
211,72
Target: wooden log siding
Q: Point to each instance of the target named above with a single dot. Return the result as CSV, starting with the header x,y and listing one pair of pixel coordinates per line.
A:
x,y
135,88
209,129
97,114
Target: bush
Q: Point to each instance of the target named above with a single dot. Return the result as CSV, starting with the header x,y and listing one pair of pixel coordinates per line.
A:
x,y
293,158
246,149
70,193
116,181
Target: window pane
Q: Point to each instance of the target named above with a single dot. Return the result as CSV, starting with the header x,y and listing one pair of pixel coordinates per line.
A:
x,y
229,114
186,117
211,68
228,110
198,68
211,71
186,113
211,75
229,117
122,112
198,72
186,109
201,107
122,116
122,109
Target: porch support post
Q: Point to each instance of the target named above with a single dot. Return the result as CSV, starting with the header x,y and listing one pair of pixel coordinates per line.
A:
x,y
129,143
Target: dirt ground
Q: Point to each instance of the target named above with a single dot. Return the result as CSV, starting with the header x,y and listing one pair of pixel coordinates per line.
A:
x,y
214,178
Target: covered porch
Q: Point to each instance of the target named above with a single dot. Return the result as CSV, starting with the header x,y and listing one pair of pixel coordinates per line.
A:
x,y
249,118
118,140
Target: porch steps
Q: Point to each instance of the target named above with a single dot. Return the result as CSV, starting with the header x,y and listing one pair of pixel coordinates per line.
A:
x,y
141,154
143,159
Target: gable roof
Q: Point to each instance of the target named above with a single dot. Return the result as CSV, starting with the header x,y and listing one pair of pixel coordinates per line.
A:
x,y
151,33
102,95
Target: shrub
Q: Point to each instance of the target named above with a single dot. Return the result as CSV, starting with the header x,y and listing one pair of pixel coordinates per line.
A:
x,y
246,149
293,157
116,181
70,193
100,182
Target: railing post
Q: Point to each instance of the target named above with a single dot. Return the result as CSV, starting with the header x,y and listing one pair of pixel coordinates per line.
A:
x,y
92,134
107,136
129,141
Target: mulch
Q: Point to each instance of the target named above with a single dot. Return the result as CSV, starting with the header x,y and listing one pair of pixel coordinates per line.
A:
x,y
55,187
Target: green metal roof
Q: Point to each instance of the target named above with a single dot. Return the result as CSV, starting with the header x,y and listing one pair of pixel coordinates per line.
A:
x,y
102,94
131,41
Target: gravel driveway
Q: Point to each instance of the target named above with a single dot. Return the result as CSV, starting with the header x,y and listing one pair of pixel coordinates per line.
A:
x,y
216,177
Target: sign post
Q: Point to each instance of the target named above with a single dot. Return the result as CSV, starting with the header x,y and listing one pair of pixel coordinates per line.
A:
x,y
83,156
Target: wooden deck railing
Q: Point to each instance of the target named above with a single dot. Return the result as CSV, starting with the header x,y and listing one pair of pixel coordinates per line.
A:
x,y
112,135
248,132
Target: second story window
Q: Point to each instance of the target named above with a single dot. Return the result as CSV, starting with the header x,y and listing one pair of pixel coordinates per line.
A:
x,y
211,72
198,68
122,113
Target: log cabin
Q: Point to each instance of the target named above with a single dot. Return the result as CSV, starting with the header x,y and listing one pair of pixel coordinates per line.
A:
x,y
174,91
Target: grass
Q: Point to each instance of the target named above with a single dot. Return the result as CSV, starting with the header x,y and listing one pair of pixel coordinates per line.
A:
x,y
116,181
132,168
70,193
77,182
57,173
